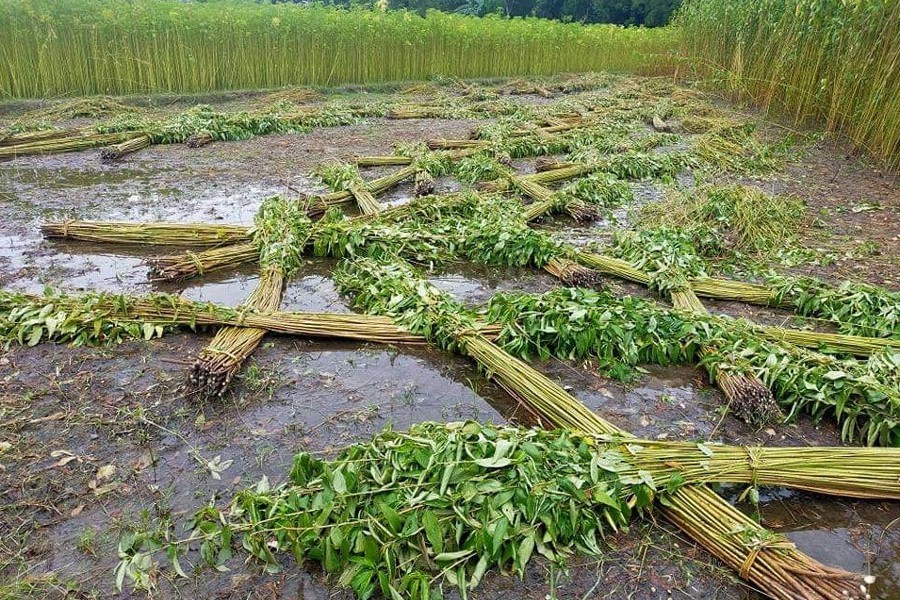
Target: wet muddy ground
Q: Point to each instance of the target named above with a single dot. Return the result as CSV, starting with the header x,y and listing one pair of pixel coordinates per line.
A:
x,y
67,414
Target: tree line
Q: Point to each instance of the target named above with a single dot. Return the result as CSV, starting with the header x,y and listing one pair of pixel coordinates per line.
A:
x,y
650,13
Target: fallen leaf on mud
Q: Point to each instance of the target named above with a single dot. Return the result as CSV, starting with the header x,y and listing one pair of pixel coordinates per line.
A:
x,y
142,462
77,510
645,420
769,431
104,489
105,472
65,460
4,446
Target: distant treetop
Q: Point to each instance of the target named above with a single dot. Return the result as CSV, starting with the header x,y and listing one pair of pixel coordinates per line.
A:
x,y
650,13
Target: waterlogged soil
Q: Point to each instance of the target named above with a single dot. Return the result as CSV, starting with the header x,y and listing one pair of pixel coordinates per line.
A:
x,y
100,440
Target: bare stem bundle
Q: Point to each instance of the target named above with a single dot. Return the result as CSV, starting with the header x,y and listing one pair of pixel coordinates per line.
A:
x,y
72,143
382,161
117,151
747,396
157,234
367,202
28,137
179,267
830,342
217,364
571,273
376,187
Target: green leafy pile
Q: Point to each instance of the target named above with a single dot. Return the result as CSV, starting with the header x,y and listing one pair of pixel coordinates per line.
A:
x,y
482,166
338,175
394,289
857,308
862,396
670,256
281,117
600,190
402,512
281,232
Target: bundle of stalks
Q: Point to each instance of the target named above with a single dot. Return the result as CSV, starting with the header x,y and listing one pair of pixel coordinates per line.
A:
x,y
185,266
218,362
613,266
76,317
571,273
28,137
367,202
837,471
711,287
376,186
547,177
544,163
728,289
764,558
414,112
581,211
157,234
457,144
829,342
382,161
424,184
72,143
199,140
117,151
747,396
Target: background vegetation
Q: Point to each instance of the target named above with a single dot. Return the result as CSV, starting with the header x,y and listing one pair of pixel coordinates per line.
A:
x,y
83,47
651,13
834,61
831,61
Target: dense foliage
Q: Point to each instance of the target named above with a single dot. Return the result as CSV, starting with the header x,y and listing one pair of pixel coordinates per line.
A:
x,y
827,60
863,396
651,13
82,47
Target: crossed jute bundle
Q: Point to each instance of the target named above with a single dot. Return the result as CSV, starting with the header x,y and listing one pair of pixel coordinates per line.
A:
x,y
768,560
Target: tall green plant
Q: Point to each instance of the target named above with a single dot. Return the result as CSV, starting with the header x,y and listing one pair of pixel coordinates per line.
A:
x,y
82,47
835,61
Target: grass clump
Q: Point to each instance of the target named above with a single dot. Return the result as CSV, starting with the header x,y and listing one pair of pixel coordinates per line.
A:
x,y
745,219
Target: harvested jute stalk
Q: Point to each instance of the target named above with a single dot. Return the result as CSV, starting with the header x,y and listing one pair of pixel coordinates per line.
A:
x,y
544,163
748,397
766,559
73,143
28,137
199,140
424,184
77,318
117,151
769,561
367,202
375,187
218,362
382,161
571,273
185,266
157,234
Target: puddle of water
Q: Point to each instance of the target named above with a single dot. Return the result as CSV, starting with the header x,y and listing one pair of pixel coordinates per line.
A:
x,y
860,536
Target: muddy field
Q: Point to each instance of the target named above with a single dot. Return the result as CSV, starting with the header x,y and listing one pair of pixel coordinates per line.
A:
x,y
95,440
